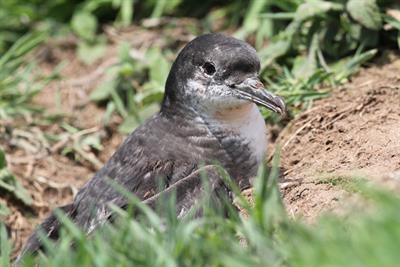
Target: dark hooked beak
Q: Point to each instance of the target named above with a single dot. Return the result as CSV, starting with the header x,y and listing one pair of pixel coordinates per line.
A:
x,y
252,89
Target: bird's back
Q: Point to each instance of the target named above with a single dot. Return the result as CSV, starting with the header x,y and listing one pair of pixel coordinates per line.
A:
x,y
208,116
154,154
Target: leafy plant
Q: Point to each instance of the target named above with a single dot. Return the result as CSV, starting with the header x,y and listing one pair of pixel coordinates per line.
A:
x,y
90,45
79,144
20,17
314,44
17,83
4,210
11,185
5,247
134,87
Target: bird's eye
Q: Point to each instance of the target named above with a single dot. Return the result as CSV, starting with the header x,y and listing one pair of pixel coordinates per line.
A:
x,y
208,68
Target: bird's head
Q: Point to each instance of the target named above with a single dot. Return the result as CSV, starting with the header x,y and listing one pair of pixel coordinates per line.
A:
x,y
214,72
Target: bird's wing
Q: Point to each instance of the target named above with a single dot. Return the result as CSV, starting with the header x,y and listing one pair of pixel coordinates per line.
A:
x,y
147,155
139,165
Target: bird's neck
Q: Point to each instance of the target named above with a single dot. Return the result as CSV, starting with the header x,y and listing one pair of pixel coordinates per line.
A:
x,y
235,115
244,122
234,137
243,135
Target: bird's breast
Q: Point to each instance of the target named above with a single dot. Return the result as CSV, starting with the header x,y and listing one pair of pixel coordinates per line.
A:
x,y
243,135
250,128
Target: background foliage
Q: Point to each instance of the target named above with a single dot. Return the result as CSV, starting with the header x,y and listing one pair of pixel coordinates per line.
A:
x,y
306,47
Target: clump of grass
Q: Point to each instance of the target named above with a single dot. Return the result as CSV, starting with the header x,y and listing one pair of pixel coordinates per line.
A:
x,y
10,185
349,183
267,237
17,83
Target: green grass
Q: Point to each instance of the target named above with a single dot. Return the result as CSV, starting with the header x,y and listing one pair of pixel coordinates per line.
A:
x,y
18,81
268,237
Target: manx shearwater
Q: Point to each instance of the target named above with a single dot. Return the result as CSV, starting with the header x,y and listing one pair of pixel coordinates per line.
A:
x,y
208,115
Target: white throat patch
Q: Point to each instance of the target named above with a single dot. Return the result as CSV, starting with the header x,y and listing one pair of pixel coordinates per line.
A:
x,y
250,125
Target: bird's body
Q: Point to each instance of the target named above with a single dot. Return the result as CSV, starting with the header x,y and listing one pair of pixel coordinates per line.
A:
x,y
208,117
170,148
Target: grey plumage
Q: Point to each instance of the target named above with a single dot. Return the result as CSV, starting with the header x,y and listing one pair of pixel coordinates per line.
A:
x,y
185,135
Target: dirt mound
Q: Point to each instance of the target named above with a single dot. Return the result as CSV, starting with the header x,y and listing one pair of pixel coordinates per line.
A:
x,y
353,133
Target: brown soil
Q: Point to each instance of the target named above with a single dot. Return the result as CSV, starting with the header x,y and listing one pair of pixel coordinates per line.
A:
x,y
355,131
351,134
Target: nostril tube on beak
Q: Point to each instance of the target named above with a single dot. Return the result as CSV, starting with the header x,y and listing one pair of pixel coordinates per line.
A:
x,y
253,83
257,84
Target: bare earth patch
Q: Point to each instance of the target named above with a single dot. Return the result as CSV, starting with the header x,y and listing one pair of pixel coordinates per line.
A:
x,y
353,133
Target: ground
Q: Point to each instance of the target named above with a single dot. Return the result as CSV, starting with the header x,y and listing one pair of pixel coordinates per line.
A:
x,y
353,133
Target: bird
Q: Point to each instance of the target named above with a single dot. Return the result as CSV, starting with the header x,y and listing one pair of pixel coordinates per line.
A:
x,y
208,116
